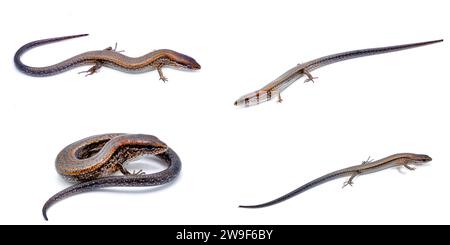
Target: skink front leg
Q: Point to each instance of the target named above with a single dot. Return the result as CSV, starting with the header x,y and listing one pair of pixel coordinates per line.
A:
x,y
310,77
140,172
279,98
161,75
273,93
124,171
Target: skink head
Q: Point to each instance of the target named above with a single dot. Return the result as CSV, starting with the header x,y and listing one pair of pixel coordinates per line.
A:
x,y
246,100
253,98
182,60
420,158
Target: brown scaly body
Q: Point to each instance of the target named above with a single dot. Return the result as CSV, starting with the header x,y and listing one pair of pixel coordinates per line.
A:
x,y
109,57
90,161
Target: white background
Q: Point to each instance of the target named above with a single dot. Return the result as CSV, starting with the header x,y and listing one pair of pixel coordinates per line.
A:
x,y
373,106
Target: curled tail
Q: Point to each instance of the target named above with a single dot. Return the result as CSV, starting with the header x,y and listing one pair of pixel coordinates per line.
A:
x,y
75,189
34,71
153,179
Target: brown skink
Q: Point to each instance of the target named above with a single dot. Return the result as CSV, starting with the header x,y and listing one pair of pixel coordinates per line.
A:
x,y
396,160
109,57
90,161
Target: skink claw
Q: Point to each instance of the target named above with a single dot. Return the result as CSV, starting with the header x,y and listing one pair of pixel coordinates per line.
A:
x,y
140,172
347,183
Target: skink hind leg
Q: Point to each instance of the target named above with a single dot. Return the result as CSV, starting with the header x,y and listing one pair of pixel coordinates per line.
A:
x,y
367,161
350,180
93,69
115,49
99,64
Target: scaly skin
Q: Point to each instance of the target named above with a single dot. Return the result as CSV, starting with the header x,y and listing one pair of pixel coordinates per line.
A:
x,y
401,159
90,161
274,88
109,57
